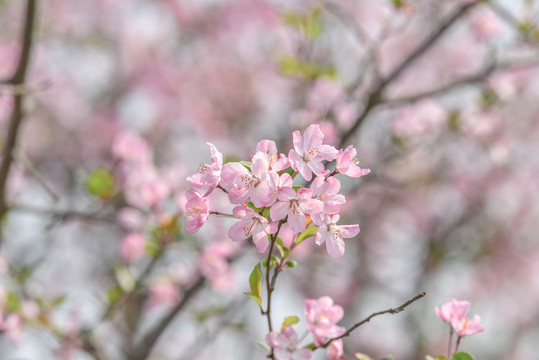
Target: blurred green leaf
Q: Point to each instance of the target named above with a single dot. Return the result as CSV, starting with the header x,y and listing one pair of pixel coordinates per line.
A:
x,y
310,24
290,66
100,183
462,356
288,321
361,356
114,294
13,302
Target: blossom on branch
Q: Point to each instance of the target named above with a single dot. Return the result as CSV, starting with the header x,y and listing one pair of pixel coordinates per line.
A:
x,y
322,318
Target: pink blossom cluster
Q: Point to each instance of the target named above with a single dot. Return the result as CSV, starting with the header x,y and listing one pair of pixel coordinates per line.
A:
x,y
322,317
266,198
454,312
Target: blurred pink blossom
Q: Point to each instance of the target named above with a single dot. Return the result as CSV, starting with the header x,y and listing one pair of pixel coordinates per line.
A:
x,y
322,318
163,292
336,350
130,146
133,247
454,312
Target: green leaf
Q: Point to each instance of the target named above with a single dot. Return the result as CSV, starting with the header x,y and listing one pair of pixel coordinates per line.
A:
x,y
290,66
284,251
310,24
255,280
114,294
454,119
247,164
256,298
264,346
387,358
13,302
101,183
288,321
310,231
124,278
439,357
292,263
462,356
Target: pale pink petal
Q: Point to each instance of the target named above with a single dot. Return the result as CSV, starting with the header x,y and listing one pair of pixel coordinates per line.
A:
x,y
280,210
240,230
261,241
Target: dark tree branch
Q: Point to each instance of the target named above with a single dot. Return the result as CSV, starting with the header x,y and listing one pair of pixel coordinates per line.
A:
x,y
374,98
367,319
143,349
17,79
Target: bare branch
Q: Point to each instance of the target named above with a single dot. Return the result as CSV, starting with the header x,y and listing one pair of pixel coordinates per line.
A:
x,y
396,310
374,97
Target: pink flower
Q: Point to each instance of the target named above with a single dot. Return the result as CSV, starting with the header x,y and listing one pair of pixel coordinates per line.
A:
x,y
326,190
285,345
163,292
276,162
454,312
251,224
332,234
208,176
335,350
308,152
130,146
12,327
348,163
213,264
322,318
257,184
296,206
133,247
152,192
196,211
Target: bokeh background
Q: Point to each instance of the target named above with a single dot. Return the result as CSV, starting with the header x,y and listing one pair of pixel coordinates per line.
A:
x,y
440,97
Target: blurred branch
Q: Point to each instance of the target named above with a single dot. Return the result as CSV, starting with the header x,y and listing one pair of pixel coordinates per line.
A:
x,y
10,88
374,98
367,319
62,214
143,349
17,79
467,80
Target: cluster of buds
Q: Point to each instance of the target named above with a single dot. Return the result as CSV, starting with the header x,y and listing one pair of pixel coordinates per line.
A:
x,y
267,199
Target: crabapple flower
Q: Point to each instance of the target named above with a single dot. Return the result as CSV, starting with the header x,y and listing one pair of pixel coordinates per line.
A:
x,y
251,224
454,312
336,350
309,152
332,234
154,191
133,247
296,206
322,318
163,292
208,176
12,327
213,264
131,147
276,162
348,163
257,184
196,211
285,345
326,190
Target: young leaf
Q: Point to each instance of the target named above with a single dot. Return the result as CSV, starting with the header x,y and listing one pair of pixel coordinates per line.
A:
x,y
310,231
288,321
255,283
462,356
256,298
100,183
361,356
255,280
439,357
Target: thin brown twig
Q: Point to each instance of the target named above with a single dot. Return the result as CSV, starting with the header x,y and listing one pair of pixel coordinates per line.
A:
x,y
374,98
396,310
